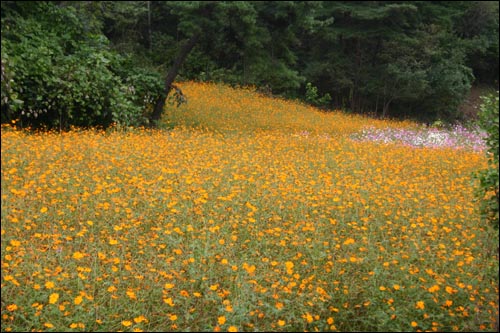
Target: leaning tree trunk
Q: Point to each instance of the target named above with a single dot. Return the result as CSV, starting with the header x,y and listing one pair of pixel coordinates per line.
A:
x,y
169,80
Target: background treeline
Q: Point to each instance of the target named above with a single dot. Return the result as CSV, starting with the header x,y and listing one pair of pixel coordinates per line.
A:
x,y
94,63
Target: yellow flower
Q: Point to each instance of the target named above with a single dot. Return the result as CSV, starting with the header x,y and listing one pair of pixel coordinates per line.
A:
x,y
349,241
252,207
126,323
414,324
12,307
131,294
140,319
420,305
232,329
221,320
308,317
49,284
249,268
168,301
281,322
78,300
450,290
53,298
78,255
434,288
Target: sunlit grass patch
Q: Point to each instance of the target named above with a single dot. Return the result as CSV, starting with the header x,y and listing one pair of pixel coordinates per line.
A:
x,y
253,230
226,109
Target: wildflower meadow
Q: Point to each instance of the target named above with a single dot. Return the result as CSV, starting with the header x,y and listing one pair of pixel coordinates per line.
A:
x,y
245,213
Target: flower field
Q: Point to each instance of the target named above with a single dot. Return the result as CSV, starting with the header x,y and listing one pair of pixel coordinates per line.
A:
x,y
249,214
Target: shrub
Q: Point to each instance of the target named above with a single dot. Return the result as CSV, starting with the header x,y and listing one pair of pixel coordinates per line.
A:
x,y
58,74
313,98
488,190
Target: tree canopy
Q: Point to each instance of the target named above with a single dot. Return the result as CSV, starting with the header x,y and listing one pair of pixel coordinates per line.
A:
x,y
95,63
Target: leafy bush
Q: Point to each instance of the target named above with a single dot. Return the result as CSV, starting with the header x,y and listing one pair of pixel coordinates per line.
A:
x,y
9,95
313,97
142,88
58,74
488,191
450,81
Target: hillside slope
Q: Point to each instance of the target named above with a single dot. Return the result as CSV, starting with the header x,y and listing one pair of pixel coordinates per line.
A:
x,y
225,109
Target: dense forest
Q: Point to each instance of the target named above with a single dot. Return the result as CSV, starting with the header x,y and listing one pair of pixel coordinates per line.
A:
x,y
91,63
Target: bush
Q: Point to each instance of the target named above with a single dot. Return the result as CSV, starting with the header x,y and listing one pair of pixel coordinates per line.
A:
x,y
58,74
313,98
449,83
9,95
488,190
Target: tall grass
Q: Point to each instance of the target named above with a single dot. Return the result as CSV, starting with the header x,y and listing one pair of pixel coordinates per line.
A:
x,y
251,214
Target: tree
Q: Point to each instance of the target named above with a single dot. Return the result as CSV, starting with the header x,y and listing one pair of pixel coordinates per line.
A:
x,y
348,57
391,58
258,35
196,18
387,58
477,25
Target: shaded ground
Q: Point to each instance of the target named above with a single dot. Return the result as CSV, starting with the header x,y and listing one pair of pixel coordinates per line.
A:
x,y
470,107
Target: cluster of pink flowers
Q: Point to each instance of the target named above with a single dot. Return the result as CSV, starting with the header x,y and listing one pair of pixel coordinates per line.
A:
x,y
457,136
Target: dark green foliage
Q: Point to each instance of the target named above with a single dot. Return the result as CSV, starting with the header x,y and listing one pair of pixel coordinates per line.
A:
x,y
65,75
10,98
312,96
478,26
392,59
448,77
489,179
411,59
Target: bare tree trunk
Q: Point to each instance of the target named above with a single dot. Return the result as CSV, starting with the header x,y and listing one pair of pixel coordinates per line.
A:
x,y
385,108
172,73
